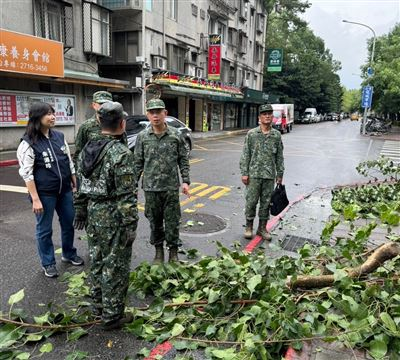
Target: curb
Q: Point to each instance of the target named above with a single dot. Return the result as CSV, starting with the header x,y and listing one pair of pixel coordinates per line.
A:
x,y
5,163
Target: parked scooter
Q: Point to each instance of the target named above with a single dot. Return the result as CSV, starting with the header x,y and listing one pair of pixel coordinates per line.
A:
x,y
377,125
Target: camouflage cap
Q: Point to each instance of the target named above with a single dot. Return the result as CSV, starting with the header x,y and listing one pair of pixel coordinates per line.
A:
x,y
265,108
100,97
155,104
111,109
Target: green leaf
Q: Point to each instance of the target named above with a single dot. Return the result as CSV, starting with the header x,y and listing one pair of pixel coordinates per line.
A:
x,y
77,355
42,319
253,282
213,296
76,334
9,335
46,348
177,330
17,297
389,323
228,354
377,348
23,356
34,337
58,251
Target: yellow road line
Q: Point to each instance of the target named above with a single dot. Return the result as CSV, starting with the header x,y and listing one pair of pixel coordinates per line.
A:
x,y
194,161
11,188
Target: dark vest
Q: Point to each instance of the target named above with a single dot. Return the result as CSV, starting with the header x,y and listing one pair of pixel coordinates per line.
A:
x,y
51,171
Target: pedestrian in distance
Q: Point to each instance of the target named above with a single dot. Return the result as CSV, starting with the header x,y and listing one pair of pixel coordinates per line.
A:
x,y
261,165
49,174
159,152
109,184
90,129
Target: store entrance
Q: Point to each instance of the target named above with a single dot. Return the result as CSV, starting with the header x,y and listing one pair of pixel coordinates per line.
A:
x,y
192,114
171,104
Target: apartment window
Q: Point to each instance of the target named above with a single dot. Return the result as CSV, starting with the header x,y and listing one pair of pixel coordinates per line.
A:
x,y
255,81
221,30
243,10
202,14
126,46
232,36
96,29
225,71
242,42
54,20
260,23
259,52
195,10
149,5
173,9
176,58
232,73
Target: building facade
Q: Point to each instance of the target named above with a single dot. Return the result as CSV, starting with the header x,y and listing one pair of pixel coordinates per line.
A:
x,y
80,33
136,49
167,44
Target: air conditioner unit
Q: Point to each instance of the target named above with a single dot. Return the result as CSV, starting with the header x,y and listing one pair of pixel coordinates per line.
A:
x,y
159,63
199,72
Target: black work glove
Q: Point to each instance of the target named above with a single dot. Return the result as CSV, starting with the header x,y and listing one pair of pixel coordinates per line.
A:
x,y
130,237
79,221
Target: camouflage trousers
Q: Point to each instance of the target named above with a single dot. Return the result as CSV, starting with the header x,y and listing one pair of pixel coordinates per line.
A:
x,y
110,255
163,211
258,190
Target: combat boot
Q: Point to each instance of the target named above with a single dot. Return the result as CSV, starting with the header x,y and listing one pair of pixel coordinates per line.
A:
x,y
262,230
159,257
173,255
248,233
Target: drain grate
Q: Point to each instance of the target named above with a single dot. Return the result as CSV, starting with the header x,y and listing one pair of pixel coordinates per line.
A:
x,y
200,223
293,242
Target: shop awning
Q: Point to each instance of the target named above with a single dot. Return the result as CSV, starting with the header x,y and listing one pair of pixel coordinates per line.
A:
x,y
80,77
187,90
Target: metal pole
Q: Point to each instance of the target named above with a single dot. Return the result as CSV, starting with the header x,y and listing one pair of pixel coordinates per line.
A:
x,y
364,120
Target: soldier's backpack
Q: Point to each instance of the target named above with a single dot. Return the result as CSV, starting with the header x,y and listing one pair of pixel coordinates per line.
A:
x,y
279,200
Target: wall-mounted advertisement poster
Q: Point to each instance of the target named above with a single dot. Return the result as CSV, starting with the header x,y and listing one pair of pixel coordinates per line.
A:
x,y
14,107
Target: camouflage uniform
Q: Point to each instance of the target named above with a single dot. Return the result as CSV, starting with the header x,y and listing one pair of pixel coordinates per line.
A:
x,y
262,161
158,157
90,129
111,191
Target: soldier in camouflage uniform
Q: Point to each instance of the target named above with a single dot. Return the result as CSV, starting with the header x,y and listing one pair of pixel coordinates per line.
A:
x,y
110,188
90,129
261,164
159,151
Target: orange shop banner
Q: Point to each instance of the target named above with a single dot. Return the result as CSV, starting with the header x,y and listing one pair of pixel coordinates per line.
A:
x,y
27,54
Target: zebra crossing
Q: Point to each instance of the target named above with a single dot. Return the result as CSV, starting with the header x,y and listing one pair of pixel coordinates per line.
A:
x,y
391,150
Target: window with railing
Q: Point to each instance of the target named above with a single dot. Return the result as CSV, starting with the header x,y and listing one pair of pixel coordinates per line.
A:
x,y
54,20
96,29
176,58
126,46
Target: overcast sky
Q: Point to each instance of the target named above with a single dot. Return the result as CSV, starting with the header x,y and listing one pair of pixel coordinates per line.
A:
x,y
348,42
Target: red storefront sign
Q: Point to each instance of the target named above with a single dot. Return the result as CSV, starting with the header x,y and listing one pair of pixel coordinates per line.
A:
x,y
214,57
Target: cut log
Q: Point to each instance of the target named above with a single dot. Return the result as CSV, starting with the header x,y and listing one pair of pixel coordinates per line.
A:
x,y
377,258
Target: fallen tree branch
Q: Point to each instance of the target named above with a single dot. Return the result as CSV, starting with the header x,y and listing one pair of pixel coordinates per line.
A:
x,y
48,327
375,260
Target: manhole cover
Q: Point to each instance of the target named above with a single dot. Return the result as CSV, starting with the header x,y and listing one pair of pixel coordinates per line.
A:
x,y
199,223
293,242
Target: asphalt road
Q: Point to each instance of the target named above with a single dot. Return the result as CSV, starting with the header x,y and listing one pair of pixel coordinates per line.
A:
x,y
316,155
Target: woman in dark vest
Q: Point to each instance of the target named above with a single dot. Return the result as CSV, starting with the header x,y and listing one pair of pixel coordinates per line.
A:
x,y
49,174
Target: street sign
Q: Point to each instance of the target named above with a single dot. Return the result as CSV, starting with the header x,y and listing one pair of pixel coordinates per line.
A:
x,y
274,60
366,98
370,71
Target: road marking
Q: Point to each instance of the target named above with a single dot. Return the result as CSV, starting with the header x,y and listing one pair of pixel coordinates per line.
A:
x,y
201,190
11,188
391,150
200,147
194,161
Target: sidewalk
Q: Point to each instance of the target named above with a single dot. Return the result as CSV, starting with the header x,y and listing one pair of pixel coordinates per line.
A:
x,y
304,221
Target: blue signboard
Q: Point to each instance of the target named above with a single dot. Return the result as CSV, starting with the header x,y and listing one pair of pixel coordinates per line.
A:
x,y
366,99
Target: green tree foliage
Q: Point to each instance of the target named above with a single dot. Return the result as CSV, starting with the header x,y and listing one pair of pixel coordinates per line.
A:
x,y
351,100
308,77
386,78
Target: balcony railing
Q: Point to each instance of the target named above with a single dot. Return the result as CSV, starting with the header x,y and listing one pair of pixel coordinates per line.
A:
x,y
122,4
